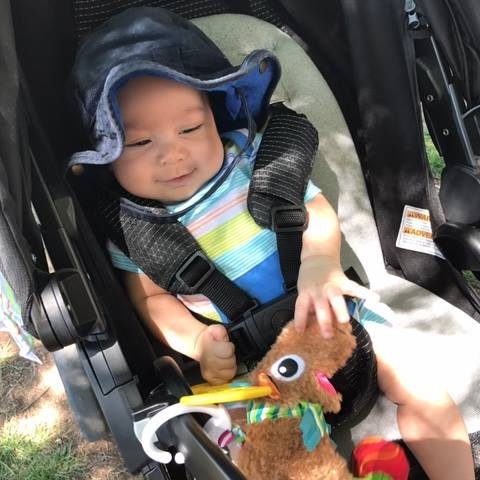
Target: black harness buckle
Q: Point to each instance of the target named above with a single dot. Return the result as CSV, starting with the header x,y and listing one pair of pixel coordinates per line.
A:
x,y
195,271
255,332
289,218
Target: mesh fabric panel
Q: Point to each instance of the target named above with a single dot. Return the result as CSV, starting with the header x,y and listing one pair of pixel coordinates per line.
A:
x,y
88,14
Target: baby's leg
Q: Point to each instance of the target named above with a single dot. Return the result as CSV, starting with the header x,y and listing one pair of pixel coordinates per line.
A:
x,y
428,420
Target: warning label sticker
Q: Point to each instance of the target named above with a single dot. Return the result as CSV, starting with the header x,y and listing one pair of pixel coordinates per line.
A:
x,y
416,232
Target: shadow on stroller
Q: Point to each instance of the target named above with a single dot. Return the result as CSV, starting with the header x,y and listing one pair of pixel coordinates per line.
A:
x,y
386,62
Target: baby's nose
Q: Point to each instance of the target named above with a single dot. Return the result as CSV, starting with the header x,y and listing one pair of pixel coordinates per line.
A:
x,y
170,154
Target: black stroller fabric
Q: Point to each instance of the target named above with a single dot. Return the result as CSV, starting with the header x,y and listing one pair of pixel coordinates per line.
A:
x,y
18,234
89,14
395,159
456,24
391,148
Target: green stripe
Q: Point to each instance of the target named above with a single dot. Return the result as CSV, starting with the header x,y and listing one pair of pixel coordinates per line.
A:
x,y
275,411
229,235
211,315
258,411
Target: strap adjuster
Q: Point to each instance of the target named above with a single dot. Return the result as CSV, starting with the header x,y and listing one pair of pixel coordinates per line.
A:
x,y
289,218
240,334
195,271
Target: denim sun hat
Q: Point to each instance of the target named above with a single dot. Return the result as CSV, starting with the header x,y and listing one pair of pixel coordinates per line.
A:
x,y
154,41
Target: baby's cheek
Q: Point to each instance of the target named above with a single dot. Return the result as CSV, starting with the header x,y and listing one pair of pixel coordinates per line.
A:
x,y
117,170
218,152
130,177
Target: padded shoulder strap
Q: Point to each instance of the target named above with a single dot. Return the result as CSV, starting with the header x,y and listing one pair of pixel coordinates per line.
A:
x,y
159,250
283,165
280,176
168,254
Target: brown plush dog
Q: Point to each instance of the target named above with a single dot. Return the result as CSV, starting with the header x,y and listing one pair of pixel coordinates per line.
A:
x,y
298,368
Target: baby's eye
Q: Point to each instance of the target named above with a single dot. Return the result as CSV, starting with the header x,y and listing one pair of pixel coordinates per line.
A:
x,y
190,130
139,143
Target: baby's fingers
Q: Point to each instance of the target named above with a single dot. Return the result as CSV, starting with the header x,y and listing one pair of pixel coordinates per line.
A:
x,y
223,349
353,289
337,303
222,376
302,309
324,316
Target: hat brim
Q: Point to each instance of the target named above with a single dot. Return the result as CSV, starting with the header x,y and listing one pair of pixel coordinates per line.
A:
x,y
256,78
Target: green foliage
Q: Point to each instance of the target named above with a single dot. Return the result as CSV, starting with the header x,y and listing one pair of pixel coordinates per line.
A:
x,y
471,279
434,159
37,457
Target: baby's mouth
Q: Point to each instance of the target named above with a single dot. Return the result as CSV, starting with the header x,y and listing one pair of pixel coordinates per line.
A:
x,y
179,180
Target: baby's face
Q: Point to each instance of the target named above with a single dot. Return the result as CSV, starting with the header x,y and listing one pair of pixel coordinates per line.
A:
x,y
171,146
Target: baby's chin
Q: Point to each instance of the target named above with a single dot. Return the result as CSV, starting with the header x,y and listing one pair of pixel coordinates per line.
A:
x,y
178,196
182,194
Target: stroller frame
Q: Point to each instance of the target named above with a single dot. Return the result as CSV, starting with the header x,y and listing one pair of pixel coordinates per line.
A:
x,y
80,308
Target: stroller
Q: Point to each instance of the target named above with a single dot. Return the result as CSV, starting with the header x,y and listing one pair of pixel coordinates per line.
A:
x,y
363,72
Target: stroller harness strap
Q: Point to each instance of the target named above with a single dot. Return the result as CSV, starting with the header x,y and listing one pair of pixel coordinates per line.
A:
x,y
170,256
167,252
280,175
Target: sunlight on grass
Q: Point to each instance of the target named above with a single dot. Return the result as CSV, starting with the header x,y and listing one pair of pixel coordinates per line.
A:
x,y
36,432
50,378
31,453
7,350
44,419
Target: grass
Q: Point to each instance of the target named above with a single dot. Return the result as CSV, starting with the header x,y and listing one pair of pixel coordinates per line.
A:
x,y
437,164
37,456
39,440
434,159
472,280
30,445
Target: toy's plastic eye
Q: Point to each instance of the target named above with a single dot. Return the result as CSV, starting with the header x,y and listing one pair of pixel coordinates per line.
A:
x,y
288,368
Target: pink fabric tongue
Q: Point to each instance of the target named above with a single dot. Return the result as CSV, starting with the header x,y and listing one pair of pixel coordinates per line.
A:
x,y
324,383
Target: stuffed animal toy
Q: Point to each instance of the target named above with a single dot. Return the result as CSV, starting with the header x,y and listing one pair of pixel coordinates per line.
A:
x,y
286,435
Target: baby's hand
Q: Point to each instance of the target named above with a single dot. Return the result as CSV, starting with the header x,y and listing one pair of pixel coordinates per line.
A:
x,y
216,355
321,289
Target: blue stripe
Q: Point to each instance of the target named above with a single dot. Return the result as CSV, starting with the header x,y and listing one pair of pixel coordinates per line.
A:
x,y
242,258
121,261
356,308
240,138
264,281
311,191
223,317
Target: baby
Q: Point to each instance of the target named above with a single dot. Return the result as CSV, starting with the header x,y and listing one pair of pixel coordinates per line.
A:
x,y
164,145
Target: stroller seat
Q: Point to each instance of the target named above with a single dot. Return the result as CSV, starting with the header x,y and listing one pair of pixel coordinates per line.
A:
x,y
448,336
437,326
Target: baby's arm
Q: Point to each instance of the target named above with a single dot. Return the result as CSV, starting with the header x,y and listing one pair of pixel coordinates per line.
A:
x,y
171,322
321,281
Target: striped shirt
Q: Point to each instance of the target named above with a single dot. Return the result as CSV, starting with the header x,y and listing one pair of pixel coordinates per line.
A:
x,y
223,227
